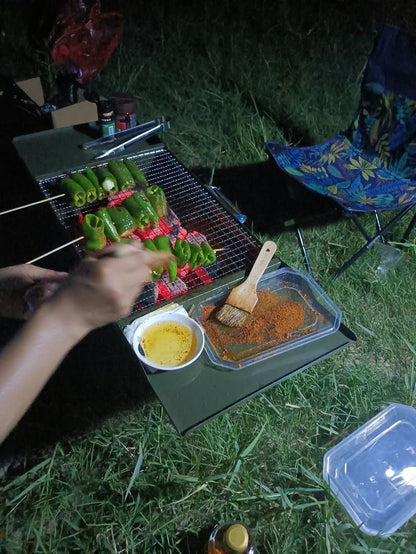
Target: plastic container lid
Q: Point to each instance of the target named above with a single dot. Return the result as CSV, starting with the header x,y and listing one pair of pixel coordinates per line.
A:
x,y
322,317
373,471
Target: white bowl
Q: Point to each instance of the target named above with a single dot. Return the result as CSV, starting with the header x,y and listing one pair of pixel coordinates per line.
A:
x,y
178,317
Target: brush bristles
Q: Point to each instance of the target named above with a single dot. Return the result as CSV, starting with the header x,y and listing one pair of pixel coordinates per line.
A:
x,y
231,316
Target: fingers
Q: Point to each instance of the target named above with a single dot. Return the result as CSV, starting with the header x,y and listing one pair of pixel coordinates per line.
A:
x,y
24,275
120,250
154,260
37,273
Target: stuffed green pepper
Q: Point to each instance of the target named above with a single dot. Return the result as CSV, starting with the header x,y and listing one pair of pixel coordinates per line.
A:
x,y
197,257
89,173
209,254
157,199
150,245
106,180
85,183
137,173
109,227
137,212
122,220
140,202
182,251
93,230
74,191
124,178
162,242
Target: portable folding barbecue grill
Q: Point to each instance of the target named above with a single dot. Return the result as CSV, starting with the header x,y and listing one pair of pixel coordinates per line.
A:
x,y
200,213
196,394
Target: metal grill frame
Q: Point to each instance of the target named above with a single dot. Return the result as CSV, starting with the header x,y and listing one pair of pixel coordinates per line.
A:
x,y
192,202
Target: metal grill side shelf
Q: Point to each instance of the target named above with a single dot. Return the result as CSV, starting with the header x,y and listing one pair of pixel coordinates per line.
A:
x,y
196,207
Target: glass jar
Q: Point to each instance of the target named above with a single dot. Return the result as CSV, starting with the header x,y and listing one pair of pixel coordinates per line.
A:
x,y
230,538
124,110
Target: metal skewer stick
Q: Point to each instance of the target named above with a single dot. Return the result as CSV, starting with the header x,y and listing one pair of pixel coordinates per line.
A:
x,y
152,131
32,204
54,250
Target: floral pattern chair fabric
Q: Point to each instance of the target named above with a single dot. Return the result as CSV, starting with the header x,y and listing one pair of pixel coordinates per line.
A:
x,y
372,165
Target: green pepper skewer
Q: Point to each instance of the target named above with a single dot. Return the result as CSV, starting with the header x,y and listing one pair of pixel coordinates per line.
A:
x,y
124,178
86,184
89,173
209,253
197,256
122,220
107,180
137,173
150,245
93,230
140,197
182,251
109,227
137,212
74,191
157,199
162,242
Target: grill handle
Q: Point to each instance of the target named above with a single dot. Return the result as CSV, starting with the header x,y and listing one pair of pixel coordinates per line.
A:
x,y
219,195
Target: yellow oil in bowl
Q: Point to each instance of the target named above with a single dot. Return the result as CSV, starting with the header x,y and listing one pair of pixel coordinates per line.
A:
x,y
168,343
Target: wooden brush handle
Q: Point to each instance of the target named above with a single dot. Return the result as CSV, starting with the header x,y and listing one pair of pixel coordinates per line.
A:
x,y
262,261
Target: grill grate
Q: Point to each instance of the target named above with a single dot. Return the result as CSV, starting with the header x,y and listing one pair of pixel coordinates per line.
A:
x,y
197,210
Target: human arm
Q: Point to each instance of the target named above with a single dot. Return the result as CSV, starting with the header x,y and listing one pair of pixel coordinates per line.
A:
x,y
100,291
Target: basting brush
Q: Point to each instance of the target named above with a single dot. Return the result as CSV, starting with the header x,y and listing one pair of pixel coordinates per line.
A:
x,y
243,298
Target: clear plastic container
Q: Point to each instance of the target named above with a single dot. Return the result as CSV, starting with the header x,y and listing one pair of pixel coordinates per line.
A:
x,y
322,317
373,471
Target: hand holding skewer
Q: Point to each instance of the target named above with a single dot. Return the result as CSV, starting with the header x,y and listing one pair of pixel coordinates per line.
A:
x,y
102,289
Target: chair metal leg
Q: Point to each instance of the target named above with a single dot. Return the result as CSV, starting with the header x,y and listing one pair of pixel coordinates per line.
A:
x,y
370,242
379,227
360,226
304,252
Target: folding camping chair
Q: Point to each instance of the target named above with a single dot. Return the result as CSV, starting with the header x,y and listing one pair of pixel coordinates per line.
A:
x,y
371,167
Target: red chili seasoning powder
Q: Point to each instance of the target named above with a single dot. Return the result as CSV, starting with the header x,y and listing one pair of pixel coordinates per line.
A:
x,y
274,320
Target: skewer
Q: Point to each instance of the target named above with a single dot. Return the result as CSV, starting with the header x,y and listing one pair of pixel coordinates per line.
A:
x,y
32,204
54,250
74,241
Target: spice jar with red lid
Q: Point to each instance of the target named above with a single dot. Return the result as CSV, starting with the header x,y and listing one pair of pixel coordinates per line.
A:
x,y
124,110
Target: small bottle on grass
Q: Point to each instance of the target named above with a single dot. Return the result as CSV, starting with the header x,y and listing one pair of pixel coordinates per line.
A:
x,y
230,538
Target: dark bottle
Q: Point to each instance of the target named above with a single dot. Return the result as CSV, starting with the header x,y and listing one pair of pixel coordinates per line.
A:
x,y
230,538
106,118
124,110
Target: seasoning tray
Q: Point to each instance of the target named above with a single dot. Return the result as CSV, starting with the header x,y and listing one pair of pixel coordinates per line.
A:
x,y
321,317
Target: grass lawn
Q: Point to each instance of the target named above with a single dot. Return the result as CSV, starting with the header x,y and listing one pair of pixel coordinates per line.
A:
x,y
232,76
